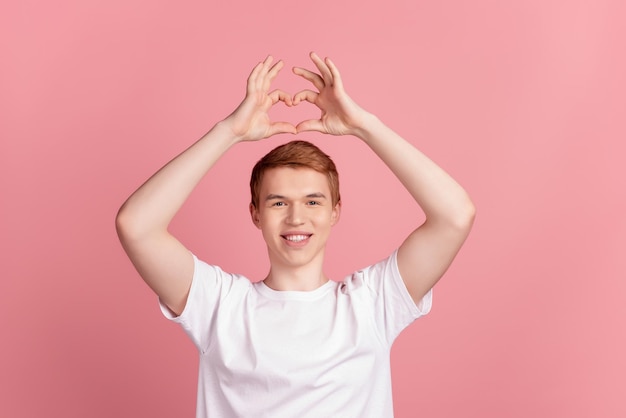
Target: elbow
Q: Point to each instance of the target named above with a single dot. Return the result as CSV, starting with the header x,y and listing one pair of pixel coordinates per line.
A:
x,y
126,225
455,217
467,216
122,223
463,219
133,225
470,218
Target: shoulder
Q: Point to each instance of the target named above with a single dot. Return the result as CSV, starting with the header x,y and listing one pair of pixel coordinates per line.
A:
x,y
213,279
203,269
384,282
386,267
372,275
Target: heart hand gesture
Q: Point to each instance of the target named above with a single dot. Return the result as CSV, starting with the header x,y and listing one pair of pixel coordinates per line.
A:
x,y
340,114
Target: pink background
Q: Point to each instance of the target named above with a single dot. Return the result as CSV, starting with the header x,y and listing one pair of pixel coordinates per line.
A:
x,y
523,102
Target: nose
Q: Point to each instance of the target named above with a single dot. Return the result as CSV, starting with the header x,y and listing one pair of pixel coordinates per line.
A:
x,y
295,216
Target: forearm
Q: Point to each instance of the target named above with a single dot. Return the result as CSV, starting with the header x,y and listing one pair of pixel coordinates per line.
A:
x,y
441,198
152,207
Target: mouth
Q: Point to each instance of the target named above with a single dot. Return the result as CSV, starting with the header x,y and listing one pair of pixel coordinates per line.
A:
x,y
296,239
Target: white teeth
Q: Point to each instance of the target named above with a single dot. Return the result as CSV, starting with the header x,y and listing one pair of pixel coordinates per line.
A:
x,y
296,238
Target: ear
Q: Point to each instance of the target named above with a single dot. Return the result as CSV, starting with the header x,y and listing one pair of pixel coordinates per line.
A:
x,y
254,214
336,214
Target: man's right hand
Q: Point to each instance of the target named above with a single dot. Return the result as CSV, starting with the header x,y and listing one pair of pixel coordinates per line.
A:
x,y
250,121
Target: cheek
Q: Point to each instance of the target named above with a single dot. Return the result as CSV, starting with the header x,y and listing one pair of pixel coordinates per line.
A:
x,y
269,224
325,219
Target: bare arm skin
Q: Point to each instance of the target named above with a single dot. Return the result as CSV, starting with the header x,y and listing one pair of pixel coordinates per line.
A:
x,y
428,251
142,222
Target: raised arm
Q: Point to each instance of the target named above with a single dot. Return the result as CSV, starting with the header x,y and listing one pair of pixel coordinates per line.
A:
x,y
142,221
428,251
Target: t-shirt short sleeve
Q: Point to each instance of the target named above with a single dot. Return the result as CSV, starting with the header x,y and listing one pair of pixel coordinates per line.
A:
x,y
394,308
209,287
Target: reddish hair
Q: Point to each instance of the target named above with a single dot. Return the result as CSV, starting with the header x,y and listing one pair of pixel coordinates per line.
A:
x,y
295,154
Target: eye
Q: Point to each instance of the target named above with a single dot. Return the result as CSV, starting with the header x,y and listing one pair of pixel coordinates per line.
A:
x,y
278,204
313,203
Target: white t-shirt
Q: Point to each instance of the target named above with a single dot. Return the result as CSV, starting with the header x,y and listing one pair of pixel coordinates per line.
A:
x,y
323,353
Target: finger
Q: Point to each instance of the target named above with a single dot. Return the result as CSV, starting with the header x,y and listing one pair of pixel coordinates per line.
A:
x,y
281,128
267,61
317,81
281,96
306,95
335,73
254,75
273,72
263,72
311,125
321,65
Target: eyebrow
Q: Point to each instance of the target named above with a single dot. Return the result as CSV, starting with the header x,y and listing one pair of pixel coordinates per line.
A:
x,y
317,195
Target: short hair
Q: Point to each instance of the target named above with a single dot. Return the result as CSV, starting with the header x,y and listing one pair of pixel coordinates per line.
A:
x,y
295,154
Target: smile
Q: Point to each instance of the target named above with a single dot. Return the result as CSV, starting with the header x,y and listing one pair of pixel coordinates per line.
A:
x,y
295,238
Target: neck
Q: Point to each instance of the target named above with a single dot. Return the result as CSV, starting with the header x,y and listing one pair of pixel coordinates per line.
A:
x,y
303,278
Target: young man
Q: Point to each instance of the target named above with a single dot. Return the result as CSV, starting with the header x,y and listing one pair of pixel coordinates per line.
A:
x,y
295,344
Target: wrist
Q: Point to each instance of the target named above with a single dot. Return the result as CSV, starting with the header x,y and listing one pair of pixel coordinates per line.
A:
x,y
227,131
367,126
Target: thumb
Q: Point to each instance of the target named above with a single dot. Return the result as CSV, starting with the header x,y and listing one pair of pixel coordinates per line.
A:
x,y
281,128
311,125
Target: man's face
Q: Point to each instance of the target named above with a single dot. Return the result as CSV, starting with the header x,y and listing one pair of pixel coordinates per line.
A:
x,y
295,214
